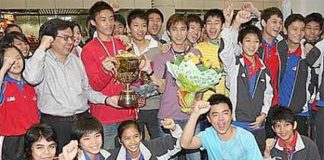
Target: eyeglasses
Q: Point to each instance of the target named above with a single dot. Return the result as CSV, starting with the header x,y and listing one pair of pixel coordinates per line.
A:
x,y
66,38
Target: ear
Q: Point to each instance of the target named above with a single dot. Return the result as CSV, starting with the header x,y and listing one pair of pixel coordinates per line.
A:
x,y
285,31
93,22
240,44
273,129
263,23
208,119
295,125
168,33
119,141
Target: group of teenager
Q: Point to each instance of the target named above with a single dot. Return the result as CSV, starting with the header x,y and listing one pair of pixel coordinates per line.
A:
x,y
61,100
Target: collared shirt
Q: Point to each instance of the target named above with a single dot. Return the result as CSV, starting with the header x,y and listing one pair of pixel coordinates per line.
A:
x,y
152,44
62,88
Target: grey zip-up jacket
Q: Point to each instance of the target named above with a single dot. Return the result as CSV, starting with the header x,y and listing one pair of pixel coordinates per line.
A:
x,y
245,107
305,149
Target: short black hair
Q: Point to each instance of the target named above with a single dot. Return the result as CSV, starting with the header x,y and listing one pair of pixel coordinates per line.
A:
x,y
196,19
214,13
125,125
315,17
12,25
3,48
136,13
9,37
35,133
98,7
268,12
155,10
120,18
293,18
282,114
220,98
51,27
85,125
249,29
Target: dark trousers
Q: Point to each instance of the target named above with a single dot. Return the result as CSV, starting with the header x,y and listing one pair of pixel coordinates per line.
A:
x,y
62,127
319,123
149,118
260,137
13,147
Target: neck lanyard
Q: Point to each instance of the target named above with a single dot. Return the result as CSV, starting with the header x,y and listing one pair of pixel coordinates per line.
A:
x,y
182,53
104,47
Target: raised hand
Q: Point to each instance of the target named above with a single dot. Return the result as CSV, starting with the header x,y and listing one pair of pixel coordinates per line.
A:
x,y
70,151
46,42
248,6
200,107
308,47
115,5
7,64
243,16
168,123
228,14
270,142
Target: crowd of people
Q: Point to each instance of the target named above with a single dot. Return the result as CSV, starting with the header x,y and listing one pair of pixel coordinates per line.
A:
x,y
61,100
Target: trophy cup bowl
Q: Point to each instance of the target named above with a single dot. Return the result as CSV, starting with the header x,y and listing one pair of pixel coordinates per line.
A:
x,y
127,72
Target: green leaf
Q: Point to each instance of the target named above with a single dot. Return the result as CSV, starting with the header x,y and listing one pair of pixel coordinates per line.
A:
x,y
187,85
202,67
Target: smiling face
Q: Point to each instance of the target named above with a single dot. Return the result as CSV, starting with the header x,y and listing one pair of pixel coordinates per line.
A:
x,y
131,139
213,27
91,143
63,43
43,150
138,28
77,35
312,31
104,23
194,32
154,24
272,26
22,46
119,28
250,44
178,33
296,32
220,117
18,66
285,130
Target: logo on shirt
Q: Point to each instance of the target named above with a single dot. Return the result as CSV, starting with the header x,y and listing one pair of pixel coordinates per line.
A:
x,y
11,99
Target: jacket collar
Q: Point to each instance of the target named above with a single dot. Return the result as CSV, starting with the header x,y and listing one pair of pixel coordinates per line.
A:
x,y
299,144
103,152
145,152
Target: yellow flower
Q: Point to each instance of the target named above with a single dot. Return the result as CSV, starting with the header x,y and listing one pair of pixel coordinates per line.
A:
x,y
206,62
195,60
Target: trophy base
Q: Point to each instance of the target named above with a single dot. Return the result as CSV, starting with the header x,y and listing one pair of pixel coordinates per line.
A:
x,y
128,99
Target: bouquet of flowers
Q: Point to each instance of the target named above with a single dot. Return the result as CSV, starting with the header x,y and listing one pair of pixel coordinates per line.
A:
x,y
193,74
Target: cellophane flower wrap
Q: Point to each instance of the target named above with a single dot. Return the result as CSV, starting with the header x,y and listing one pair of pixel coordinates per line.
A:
x,y
193,74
